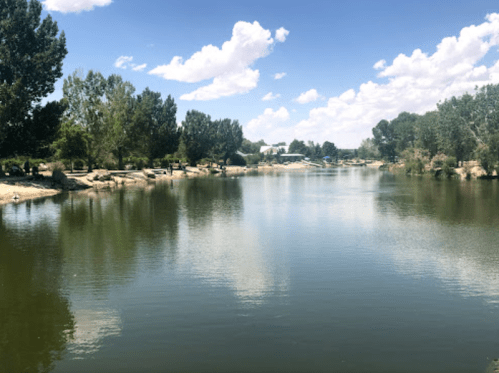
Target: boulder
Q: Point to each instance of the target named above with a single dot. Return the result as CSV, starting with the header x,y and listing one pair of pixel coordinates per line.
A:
x,y
42,167
93,177
59,176
149,174
104,176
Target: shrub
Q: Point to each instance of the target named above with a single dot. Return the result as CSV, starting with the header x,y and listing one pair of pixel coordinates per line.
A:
x,y
56,166
253,158
448,166
236,160
110,164
486,157
438,160
79,164
415,160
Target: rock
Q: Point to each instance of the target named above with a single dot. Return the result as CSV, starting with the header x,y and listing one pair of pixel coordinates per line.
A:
x,y
149,174
42,167
93,176
16,171
104,176
59,176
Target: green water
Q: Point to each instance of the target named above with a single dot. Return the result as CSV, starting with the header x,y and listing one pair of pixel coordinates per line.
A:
x,y
348,270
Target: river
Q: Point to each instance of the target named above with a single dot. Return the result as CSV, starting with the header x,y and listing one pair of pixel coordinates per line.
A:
x,y
333,270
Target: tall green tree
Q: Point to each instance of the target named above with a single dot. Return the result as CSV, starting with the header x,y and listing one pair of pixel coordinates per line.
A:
x,y
228,137
329,149
31,57
385,139
72,142
118,112
298,147
368,150
154,129
83,98
198,136
427,132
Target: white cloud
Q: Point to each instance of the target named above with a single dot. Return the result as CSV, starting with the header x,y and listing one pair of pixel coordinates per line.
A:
x,y
225,85
281,34
269,96
139,67
249,42
380,65
126,61
309,96
75,6
270,125
415,84
123,61
279,76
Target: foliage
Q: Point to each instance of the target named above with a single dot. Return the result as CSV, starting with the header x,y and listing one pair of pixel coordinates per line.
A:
x,y
228,137
486,157
298,147
368,150
438,160
253,158
415,160
198,136
56,166
329,149
248,147
384,139
154,129
72,142
31,57
236,160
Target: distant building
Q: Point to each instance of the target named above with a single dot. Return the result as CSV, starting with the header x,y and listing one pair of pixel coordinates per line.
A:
x,y
273,149
292,157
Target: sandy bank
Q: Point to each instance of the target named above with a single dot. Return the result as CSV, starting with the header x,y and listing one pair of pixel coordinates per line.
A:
x,y
25,188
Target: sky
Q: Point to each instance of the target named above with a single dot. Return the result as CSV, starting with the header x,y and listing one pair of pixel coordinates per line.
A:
x,y
307,70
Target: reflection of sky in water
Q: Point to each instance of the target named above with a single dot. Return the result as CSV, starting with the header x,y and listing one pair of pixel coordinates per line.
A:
x,y
465,258
28,215
228,255
91,327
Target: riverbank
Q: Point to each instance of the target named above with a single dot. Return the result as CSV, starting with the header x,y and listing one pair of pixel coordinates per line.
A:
x,y
19,189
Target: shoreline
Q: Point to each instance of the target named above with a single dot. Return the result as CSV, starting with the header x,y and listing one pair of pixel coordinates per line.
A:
x,y
26,188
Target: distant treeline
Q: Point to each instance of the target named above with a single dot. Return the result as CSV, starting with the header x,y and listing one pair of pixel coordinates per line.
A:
x,y
465,127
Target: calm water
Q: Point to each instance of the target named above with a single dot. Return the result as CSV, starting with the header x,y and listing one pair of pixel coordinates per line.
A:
x,y
347,270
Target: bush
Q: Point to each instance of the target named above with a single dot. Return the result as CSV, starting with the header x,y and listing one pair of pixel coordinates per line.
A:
x,y
138,162
486,157
253,158
438,160
236,160
415,160
8,163
448,166
110,164
56,166
79,164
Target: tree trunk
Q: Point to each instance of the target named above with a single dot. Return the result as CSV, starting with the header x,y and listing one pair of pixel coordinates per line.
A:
x,y
120,160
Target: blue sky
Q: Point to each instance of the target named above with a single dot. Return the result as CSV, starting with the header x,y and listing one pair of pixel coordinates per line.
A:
x,y
343,66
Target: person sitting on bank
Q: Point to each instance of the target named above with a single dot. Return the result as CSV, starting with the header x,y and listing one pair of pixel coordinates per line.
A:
x,y
26,167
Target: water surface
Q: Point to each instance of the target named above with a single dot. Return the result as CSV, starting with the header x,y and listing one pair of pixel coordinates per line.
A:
x,y
347,270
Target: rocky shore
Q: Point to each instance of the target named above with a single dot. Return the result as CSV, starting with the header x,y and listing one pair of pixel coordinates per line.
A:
x,y
18,189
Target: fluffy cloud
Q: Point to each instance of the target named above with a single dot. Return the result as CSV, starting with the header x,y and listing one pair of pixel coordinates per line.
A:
x,y
270,125
139,67
126,61
307,97
225,85
76,6
279,76
269,96
122,62
281,34
415,84
224,65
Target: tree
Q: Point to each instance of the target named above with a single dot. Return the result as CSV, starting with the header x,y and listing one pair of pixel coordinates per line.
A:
x,y
30,62
329,149
404,130
249,147
155,125
72,142
118,111
427,132
197,135
298,147
84,106
228,137
384,139
368,150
